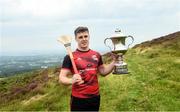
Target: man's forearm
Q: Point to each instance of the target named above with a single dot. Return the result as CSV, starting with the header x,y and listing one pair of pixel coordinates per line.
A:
x,y
65,80
105,70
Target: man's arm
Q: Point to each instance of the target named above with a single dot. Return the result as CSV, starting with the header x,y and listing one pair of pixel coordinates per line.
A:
x,y
64,79
106,69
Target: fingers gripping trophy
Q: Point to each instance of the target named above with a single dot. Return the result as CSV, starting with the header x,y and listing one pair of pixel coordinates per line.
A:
x,y
119,47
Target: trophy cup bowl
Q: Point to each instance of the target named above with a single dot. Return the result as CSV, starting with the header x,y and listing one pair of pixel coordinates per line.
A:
x,y
119,48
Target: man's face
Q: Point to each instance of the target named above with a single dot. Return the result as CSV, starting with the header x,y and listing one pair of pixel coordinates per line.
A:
x,y
82,39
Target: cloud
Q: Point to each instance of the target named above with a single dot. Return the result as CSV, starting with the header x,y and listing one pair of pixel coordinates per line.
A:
x,y
41,8
80,9
34,20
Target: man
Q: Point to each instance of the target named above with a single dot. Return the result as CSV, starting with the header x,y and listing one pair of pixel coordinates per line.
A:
x,y
85,88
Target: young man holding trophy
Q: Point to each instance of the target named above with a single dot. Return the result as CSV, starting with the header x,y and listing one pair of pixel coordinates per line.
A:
x,y
84,64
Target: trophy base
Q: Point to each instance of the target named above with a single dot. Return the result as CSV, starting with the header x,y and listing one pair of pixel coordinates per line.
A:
x,y
120,72
120,69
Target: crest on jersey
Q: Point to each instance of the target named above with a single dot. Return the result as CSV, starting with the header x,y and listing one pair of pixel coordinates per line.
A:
x,y
79,59
94,57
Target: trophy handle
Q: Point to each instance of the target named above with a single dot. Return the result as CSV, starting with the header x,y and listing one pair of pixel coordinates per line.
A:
x,y
106,44
132,40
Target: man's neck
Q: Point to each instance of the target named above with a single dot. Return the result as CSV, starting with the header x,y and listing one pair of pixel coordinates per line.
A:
x,y
83,49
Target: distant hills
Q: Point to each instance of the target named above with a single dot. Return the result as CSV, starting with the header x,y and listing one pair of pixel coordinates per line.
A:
x,y
10,65
153,83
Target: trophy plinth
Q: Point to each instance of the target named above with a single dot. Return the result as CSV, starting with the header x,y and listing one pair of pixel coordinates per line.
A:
x,y
120,66
121,69
119,48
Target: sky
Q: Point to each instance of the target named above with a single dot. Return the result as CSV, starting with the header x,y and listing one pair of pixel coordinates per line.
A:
x,y
30,27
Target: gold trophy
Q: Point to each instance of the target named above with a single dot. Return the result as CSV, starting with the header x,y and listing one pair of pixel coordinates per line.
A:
x,y
119,48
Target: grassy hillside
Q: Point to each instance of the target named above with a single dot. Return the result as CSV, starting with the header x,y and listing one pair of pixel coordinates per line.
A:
x,y
38,90
153,83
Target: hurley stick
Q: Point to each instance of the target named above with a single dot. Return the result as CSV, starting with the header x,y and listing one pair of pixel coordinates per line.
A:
x,y
66,41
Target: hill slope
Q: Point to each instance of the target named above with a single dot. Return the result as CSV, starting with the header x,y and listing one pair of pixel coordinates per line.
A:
x,y
166,45
163,41
153,83
37,90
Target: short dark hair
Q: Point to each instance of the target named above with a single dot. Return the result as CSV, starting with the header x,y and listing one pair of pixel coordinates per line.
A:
x,y
80,29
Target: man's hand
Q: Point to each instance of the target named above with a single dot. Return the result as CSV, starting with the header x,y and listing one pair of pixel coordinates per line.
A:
x,y
76,79
114,56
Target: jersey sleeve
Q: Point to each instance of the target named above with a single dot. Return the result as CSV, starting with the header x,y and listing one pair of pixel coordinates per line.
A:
x,y
100,60
67,62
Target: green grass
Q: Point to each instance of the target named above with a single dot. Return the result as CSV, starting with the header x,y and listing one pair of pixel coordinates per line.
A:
x,y
152,85
49,95
153,82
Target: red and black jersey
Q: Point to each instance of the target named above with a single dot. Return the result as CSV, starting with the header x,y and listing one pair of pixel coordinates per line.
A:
x,y
87,63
